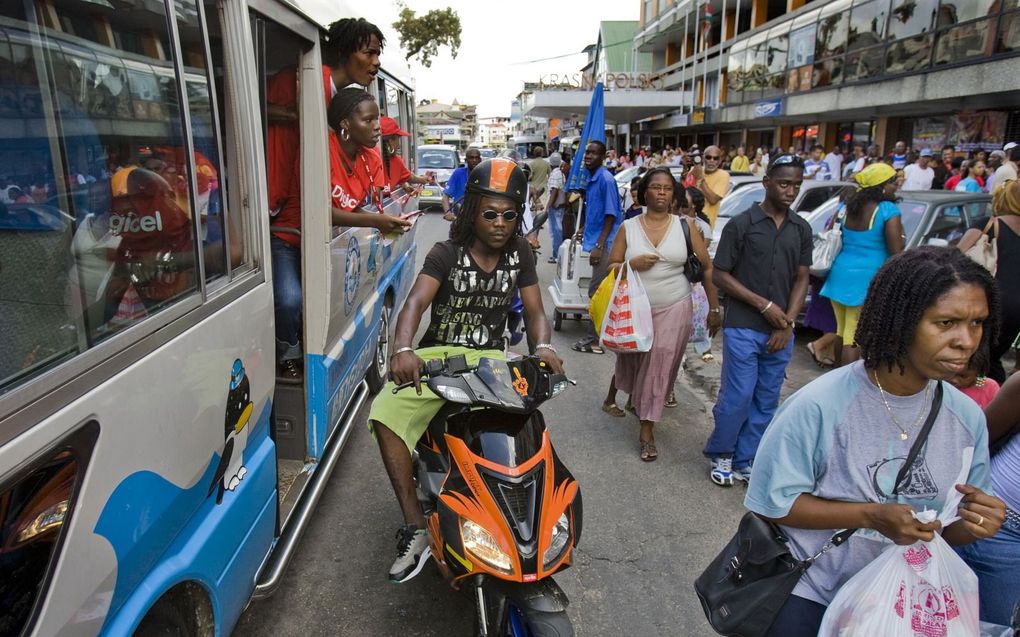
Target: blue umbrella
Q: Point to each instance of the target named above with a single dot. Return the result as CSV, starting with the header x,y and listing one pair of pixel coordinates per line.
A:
x,y
594,130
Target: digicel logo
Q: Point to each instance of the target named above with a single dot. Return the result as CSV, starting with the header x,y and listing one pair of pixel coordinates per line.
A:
x,y
132,223
344,201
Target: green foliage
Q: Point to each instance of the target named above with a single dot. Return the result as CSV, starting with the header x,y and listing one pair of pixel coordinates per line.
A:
x,y
422,36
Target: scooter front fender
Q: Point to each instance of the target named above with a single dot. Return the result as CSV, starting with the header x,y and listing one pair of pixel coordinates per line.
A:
x,y
544,596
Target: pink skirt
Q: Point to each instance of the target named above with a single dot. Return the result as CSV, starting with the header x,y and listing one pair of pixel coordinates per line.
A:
x,y
649,376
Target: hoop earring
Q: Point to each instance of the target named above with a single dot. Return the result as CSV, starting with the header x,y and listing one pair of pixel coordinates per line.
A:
x,y
345,134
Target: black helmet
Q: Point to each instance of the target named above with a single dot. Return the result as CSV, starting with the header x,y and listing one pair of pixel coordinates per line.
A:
x,y
500,177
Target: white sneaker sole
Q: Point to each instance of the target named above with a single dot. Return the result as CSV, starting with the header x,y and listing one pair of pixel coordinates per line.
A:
x,y
721,481
425,555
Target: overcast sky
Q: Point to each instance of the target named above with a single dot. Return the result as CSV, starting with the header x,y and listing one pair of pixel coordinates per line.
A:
x,y
495,37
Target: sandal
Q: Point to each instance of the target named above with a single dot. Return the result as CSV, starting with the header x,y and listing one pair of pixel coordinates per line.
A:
x,y
707,357
821,362
613,410
586,348
671,401
649,453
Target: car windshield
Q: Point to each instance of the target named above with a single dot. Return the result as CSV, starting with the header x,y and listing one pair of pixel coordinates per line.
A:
x,y
819,217
739,201
487,153
624,176
437,158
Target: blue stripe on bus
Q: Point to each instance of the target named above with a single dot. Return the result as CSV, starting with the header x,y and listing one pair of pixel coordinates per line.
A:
x,y
163,534
332,381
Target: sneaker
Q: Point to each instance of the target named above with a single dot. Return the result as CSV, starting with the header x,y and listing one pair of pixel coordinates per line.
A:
x,y
722,472
412,553
743,474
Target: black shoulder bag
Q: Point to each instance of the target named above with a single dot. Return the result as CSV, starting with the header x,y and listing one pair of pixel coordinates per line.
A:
x,y
692,268
746,585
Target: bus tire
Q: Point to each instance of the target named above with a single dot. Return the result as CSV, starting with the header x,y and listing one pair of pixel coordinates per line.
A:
x,y
377,373
184,611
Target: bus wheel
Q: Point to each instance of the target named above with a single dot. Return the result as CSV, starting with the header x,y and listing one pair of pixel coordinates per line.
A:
x,y
557,320
380,363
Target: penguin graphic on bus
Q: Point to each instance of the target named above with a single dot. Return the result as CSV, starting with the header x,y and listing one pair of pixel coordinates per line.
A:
x,y
231,470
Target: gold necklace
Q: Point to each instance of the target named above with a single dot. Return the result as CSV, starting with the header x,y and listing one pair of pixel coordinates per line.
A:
x,y
904,433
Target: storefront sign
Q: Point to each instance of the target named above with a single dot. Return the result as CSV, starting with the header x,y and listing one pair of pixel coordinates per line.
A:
x,y
441,131
698,117
612,81
769,108
930,132
982,129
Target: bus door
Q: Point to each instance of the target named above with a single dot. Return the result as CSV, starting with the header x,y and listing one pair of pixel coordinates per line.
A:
x,y
289,111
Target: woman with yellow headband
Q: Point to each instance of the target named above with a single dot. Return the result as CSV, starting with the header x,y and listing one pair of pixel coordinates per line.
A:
x,y
872,232
1005,231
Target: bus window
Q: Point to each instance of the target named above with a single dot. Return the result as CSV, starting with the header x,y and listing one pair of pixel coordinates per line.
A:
x,y
96,224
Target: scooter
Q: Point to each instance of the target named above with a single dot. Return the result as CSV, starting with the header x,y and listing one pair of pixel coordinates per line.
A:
x,y
503,512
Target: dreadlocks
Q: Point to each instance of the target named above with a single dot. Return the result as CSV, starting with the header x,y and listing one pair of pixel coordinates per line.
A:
x,y
906,286
346,37
462,230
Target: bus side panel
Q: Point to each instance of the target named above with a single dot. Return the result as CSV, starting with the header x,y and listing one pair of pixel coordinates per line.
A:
x,y
154,471
334,375
221,549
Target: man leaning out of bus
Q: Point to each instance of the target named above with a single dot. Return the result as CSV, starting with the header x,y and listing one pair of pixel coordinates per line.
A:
x,y
469,282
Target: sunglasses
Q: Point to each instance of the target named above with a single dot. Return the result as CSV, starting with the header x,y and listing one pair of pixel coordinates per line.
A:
x,y
787,160
492,215
713,157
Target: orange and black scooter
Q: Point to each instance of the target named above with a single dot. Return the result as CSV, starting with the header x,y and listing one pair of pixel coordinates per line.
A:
x,y
503,512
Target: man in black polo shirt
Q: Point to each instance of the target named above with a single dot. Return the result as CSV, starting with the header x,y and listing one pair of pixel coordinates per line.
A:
x,y
762,266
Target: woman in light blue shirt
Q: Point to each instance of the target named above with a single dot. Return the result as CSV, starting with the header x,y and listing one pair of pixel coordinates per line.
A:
x,y
872,232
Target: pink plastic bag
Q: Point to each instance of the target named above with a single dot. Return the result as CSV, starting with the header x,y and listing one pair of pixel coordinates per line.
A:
x,y
627,327
921,590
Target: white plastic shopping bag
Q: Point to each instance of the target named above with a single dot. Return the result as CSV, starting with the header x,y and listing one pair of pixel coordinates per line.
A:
x,y
921,590
627,327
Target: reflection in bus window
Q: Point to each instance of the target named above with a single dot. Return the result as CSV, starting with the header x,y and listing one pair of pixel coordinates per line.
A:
x,y
96,220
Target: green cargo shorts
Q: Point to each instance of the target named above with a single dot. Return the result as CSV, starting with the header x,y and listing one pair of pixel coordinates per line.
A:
x,y
406,413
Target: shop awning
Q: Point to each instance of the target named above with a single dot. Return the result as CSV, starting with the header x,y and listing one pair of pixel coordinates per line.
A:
x,y
621,106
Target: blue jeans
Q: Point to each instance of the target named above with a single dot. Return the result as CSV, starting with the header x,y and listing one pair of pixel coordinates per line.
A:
x,y
996,561
556,230
286,298
748,394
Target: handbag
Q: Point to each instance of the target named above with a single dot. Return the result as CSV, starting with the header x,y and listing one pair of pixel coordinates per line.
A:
x,y
985,251
826,246
746,585
693,270
599,304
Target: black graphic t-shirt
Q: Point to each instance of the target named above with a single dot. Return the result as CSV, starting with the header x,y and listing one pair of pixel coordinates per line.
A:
x,y
471,305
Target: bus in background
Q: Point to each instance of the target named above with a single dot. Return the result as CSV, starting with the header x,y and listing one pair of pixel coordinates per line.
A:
x,y
154,474
525,144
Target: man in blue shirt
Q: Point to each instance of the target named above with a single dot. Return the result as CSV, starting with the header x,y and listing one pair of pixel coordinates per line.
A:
x,y
600,219
816,167
453,194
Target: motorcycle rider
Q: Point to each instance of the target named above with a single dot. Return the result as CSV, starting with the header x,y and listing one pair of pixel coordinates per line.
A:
x,y
469,282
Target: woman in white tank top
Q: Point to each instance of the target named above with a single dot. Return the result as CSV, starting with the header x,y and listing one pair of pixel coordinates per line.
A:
x,y
654,245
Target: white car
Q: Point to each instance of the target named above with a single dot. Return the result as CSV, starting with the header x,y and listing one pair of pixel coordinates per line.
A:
x,y
439,160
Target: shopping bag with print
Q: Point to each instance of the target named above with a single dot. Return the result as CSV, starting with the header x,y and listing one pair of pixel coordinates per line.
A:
x,y
921,590
600,302
627,327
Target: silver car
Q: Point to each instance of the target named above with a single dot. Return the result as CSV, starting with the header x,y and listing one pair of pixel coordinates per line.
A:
x,y
438,160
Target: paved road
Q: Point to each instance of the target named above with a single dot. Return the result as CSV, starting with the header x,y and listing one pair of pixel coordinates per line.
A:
x,y
649,528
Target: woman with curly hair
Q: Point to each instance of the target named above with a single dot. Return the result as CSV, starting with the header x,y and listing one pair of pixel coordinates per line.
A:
x,y
830,457
872,232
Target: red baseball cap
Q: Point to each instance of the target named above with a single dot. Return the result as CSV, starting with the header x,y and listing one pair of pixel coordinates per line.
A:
x,y
390,127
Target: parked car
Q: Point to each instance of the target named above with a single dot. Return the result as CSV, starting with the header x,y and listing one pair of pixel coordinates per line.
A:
x,y
930,217
812,195
742,180
438,160
624,176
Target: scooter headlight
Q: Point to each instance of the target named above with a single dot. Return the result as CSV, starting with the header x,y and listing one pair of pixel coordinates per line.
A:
x,y
482,545
560,537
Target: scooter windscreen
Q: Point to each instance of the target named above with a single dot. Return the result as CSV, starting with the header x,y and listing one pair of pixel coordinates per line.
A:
x,y
514,386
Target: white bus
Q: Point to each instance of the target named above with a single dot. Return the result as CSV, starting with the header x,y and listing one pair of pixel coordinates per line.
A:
x,y
154,474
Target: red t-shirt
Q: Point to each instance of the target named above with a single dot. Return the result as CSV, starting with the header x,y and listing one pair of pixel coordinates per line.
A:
x,y
398,172
984,394
353,182
283,159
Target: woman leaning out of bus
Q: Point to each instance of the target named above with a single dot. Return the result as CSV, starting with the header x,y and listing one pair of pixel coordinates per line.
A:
x,y
654,245
397,173
830,457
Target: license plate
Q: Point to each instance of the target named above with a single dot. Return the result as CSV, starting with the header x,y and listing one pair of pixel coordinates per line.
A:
x,y
427,192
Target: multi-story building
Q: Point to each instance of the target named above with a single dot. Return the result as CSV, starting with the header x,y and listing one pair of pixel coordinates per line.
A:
x,y
493,131
438,123
792,73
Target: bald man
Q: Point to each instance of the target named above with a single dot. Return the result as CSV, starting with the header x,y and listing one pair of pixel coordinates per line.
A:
x,y
712,181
